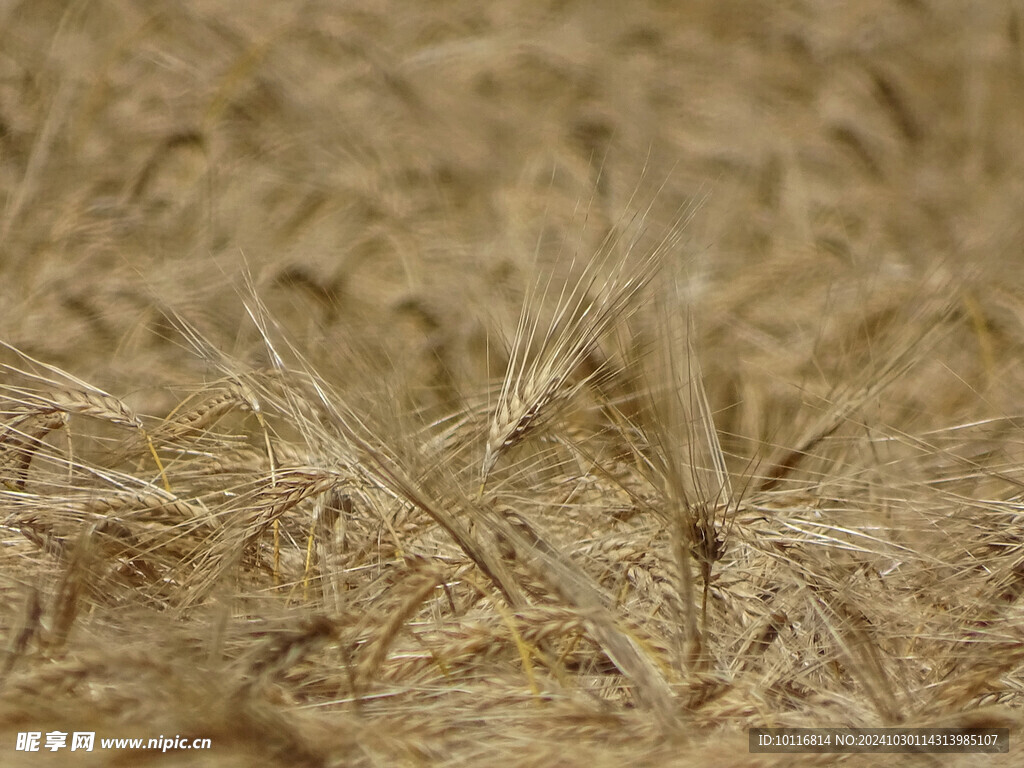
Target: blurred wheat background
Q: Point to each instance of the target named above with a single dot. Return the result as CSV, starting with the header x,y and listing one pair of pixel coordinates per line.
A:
x,y
521,383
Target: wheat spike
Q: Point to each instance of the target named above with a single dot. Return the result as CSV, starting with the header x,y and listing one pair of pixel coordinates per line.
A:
x,y
538,380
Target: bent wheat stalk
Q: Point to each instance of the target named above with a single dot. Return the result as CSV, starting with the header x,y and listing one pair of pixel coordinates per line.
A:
x,y
20,439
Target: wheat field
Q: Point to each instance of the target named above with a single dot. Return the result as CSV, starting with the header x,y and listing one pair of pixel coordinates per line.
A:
x,y
520,383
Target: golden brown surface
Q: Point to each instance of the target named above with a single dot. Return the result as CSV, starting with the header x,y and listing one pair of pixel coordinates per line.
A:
x,y
278,469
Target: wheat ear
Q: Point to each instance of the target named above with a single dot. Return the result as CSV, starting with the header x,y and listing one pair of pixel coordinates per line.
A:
x,y
537,381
